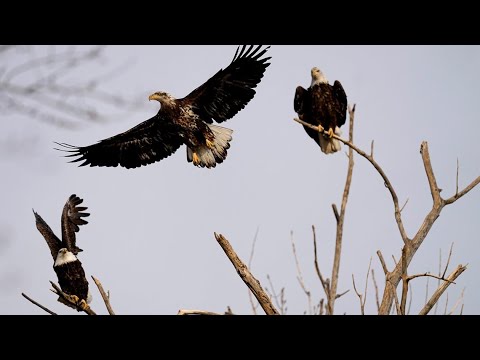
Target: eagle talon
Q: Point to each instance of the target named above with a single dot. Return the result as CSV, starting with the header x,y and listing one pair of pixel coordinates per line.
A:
x,y
210,144
195,158
330,133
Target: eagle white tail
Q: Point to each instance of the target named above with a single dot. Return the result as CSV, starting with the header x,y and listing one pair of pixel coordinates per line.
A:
x,y
209,157
330,146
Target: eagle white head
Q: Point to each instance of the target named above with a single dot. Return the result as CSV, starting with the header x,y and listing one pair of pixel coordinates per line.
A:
x,y
318,77
64,256
162,97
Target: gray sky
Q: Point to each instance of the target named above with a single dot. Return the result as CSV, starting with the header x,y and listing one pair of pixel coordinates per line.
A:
x,y
150,234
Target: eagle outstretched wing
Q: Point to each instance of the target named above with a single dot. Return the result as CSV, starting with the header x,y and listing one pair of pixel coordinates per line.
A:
x,y
230,89
72,217
52,240
146,143
341,97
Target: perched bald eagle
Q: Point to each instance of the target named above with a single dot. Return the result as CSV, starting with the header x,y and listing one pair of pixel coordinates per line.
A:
x,y
325,105
186,121
69,270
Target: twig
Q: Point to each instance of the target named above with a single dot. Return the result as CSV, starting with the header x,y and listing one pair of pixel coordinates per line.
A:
x,y
341,294
195,312
252,304
87,309
456,182
325,284
446,305
247,277
460,299
339,237
299,275
403,207
39,305
359,295
411,277
448,261
410,293
426,290
377,299
106,298
441,289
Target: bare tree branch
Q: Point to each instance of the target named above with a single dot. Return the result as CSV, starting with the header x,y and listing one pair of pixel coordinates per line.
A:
x,y
87,309
325,284
387,182
377,299
105,297
460,300
39,305
448,261
247,277
339,237
195,312
441,289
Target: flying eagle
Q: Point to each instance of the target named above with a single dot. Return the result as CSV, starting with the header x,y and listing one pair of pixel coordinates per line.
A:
x,y
325,105
69,270
188,120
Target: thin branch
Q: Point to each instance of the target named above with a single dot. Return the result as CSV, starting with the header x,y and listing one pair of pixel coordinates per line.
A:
x,y
106,298
448,261
335,213
403,207
387,182
195,312
410,293
446,305
68,299
247,277
339,237
371,148
411,277
325,284
377,299
299,275
360,296
426,290
252,304
441,289
460,299
39,305
341,294
382,261
456,182
404,280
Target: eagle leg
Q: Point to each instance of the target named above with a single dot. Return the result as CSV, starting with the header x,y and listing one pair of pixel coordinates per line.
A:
x,y
82,304
330,133
210,144
195,158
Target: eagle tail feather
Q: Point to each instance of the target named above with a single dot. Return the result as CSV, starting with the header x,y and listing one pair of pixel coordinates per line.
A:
x,y
209,157
330,146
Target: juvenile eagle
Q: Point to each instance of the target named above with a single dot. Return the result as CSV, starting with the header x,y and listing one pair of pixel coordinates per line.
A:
x,y
325,105
186,121
69,270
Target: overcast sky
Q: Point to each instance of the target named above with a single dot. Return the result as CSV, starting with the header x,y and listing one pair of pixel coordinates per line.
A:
x,y
150,234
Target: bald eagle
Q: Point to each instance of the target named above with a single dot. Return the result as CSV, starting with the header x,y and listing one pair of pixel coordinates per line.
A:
x,y
69,270
188,120
325,105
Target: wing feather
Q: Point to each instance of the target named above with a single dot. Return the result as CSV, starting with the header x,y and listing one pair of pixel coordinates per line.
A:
x,y
230,89
341,97
51,239
146,143
72,218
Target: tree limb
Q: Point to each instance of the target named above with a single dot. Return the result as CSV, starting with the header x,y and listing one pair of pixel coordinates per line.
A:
x,y
68,299
39,305
105,297
247,277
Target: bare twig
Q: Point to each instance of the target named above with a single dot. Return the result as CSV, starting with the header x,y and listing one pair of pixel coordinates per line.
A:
x,y
105,297
410,297
87,309
360,296
456,182
299,275
250,298
460,300
446,305
377,299
441,289
247,277
403,207
325,284
39,305
411,277
448,261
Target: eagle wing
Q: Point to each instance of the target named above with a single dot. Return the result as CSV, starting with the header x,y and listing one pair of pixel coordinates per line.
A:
x,y
72,217
52,240
146,143
230,89
299,102
341,97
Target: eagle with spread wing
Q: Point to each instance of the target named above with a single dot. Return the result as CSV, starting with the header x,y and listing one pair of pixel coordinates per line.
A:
x,y
325,105
188,120
69,270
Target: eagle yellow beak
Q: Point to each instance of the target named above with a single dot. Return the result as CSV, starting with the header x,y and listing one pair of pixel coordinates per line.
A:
x,y
154,97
